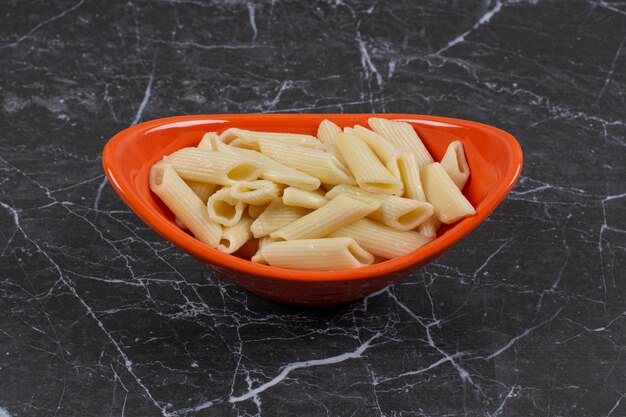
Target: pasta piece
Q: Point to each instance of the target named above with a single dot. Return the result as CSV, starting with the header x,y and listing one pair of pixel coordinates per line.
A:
x,y
234,237
184,203
449,203
314,162
384,150
179,223
327,132
301,198
255,211
250,139
213,167
274,171
259,192
258,256
317,254
402,135
276,216
370,173
224,209
397,212
410,174
338,212
202,189
209,142
381,240
455,164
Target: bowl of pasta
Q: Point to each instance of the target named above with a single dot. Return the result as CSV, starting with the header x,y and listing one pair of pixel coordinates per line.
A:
x,y
312,209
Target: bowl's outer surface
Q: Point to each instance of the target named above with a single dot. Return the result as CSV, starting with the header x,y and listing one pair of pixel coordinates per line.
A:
x,y
494,157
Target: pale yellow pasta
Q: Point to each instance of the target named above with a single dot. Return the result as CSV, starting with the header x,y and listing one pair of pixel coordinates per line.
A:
x,y
384,150
255,211
234,237
202,189
251,138
224,209
448,202
276,216
315,162
370,173
402,135
381,240
301,198
327,132
275,171
258,256
328,254
455,164
410,174
397,212
259,192
209,142
184,203
338,212
213,167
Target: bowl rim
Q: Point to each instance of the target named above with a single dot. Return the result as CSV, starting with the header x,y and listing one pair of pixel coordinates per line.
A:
x,y
126,190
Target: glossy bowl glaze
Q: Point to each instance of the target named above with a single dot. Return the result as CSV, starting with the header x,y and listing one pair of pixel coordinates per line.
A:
x,y
494,157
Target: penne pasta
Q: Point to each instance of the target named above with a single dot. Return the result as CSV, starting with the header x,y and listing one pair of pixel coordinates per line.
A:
x,y
314,162
403,136
258,256
276,216
224,209
317,254
234,237
448,202
259,193
202,189
301,198
209,142
338,212
213,167
274,171
386,152
455,164
184,203
250,139
397,212
381,240
255,211
410,174
370,173
327,132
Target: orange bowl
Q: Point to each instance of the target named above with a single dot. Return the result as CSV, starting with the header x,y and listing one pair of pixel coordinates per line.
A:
x,y
494,157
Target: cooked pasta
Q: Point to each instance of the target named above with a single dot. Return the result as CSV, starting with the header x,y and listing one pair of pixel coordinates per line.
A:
x,y
455,164
184,203
351,197
317,254
402,135
370,173
448,202
397,212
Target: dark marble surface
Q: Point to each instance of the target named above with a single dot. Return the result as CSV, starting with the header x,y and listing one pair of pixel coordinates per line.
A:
x,y
99,316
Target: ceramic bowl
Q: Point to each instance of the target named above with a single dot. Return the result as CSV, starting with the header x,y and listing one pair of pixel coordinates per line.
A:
x,y
494,157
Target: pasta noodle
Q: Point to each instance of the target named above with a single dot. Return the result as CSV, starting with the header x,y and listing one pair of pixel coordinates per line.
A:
x,y
455,164
259,192
317,254
214,167
315,162
384,150
410,174
402,135
370,173
224,209
397,212
255,211
448,202
234,237
301,198
275,216
251,138
184,203
381,240
338,212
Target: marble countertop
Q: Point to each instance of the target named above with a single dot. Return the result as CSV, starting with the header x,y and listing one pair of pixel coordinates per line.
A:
x,y
99,316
